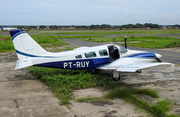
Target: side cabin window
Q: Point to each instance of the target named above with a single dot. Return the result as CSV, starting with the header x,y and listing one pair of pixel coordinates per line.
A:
x,y
103,52
78,56
90,54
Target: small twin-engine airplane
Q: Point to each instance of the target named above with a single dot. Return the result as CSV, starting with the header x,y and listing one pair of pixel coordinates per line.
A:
x,y
107,57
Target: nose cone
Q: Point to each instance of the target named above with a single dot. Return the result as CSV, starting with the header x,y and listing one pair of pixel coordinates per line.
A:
x,y
158,55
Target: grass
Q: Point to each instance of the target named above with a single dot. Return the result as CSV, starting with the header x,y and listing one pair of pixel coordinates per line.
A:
x,y
144,42
6,44
94,99
110,32
66,37
160,42
75,37
158,110
58,49
48,40
63,82
45,41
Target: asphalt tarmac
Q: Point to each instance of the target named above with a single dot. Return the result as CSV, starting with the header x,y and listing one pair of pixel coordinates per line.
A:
x,y
167,56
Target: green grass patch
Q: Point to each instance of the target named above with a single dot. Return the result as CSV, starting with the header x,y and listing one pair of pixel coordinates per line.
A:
x,y
160,42
110,32
158,110
63,82
94,99
58,49
65,37
4,31
6,44
144,42
48,41
77,37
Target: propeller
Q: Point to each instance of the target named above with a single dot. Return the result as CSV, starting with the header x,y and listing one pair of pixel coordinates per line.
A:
x,y
158,60
157,55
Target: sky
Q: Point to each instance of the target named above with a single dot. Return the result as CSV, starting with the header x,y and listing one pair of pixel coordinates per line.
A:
x,y
88,12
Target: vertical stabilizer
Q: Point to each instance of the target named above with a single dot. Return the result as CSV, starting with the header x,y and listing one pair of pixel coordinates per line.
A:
x,y
24,45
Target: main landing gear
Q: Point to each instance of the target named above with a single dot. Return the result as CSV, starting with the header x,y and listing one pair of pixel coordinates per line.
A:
x,y
115,76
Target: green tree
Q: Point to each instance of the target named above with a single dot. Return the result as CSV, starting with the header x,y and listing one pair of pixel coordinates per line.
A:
x,y
53,27
42,26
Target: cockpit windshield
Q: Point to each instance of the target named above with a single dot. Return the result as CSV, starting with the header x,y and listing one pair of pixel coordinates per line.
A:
x,y
123,50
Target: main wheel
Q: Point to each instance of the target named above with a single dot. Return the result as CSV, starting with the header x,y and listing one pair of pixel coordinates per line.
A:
x,y
139,71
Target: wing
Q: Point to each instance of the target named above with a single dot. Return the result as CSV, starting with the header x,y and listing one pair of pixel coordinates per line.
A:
x,y
137,66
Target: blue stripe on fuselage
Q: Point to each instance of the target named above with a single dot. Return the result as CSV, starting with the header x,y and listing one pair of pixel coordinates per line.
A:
x,y
81,64
30,55
141,55
25,54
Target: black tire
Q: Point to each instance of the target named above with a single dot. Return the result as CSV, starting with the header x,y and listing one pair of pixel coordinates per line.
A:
x,y
139,71
116,78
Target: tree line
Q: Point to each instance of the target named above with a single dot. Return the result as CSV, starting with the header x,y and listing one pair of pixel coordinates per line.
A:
x,y
103,26
138,25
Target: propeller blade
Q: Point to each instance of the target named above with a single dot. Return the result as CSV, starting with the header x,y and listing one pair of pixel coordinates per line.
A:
x,y
158,60
125,43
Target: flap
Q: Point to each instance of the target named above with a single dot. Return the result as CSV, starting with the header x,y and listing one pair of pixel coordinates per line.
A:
x,y
143,66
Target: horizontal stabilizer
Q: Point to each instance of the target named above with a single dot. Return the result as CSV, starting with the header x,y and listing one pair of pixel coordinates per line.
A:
x,y
23,63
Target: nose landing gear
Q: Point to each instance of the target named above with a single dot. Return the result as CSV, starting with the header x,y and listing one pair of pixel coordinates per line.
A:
x,y
115,76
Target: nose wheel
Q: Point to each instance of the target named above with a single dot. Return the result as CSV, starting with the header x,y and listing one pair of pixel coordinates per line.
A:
x,y
116,76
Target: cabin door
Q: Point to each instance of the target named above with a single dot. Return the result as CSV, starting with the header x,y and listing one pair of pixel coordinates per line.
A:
x,y
113,53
